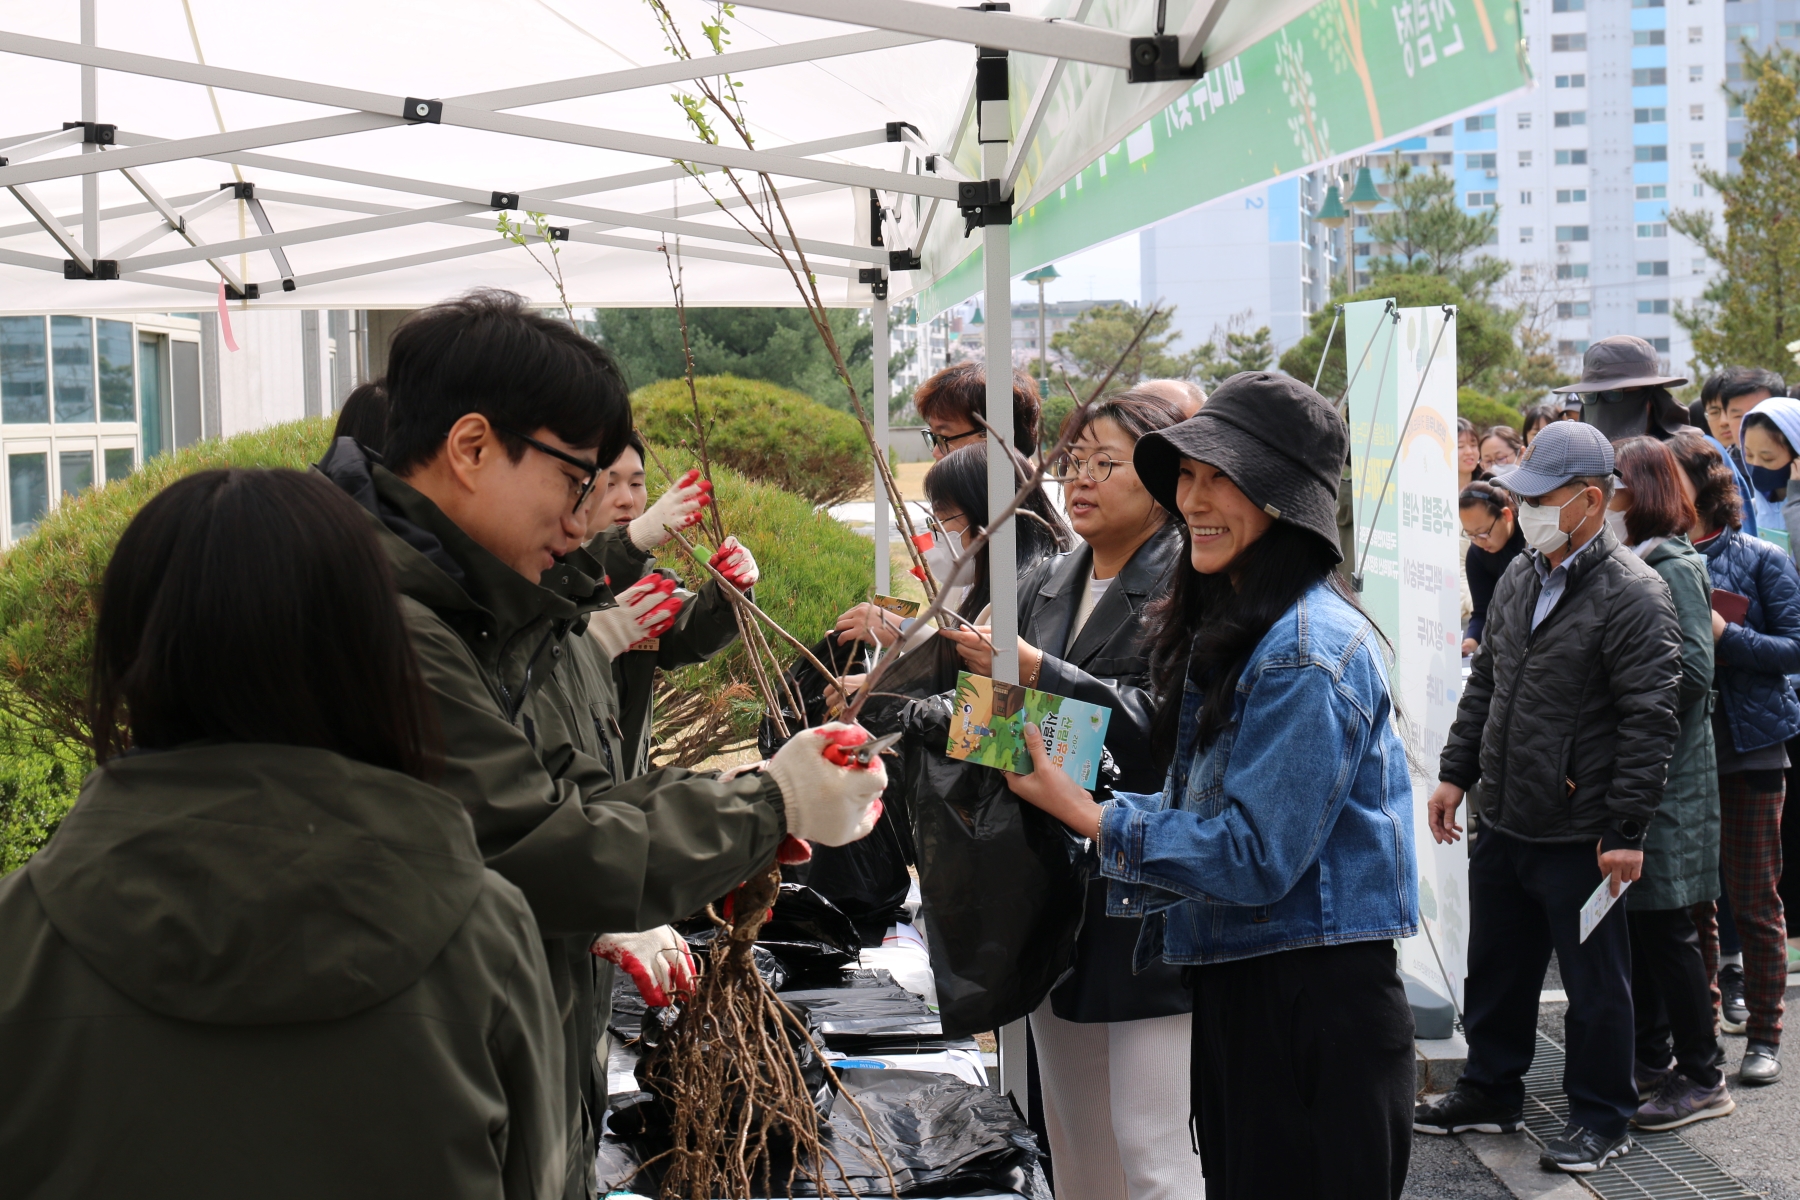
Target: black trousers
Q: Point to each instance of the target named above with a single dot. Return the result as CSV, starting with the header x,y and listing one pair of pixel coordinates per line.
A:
x,y
1304,1075
1672,995
1525,900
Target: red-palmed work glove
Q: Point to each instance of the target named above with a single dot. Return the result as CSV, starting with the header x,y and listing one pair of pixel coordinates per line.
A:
x,y
645,609
678,508
827,802
735,562
657,960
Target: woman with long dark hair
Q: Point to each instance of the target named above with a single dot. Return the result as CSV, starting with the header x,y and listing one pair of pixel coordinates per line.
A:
x,y
262,955
1278,872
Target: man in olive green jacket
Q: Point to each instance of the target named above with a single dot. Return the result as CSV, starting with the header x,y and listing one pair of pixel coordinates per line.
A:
x,y
496,413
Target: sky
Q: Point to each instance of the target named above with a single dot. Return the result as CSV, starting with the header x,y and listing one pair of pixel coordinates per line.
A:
x,y
1108,271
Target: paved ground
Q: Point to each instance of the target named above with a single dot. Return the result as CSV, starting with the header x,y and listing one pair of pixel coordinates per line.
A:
x,y
1445,1169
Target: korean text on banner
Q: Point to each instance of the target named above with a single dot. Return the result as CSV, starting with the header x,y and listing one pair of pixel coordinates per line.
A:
x,y
1408,544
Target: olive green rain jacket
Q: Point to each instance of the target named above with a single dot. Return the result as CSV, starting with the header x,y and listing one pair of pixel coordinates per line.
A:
x,y
592,851
255,970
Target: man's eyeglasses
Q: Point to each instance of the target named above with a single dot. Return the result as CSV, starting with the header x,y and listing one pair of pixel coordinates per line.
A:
x,y
1098,467
940,441
590,470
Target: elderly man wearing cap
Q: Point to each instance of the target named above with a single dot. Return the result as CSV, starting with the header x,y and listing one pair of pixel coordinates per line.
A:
x,y
1569,719
1624,393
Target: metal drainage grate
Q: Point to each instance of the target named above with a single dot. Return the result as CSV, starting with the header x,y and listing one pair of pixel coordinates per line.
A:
x,y
1659,1166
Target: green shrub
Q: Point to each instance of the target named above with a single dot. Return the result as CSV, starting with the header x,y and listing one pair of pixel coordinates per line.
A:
x,y
762,431
1484,412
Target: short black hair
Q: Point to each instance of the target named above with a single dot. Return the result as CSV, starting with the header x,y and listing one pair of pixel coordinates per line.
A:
x,y
364,416
1741,381
960,391
959,480
183,648
633,441
487,352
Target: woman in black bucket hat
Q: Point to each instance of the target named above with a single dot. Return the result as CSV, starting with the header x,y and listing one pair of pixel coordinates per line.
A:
x,y
1277,862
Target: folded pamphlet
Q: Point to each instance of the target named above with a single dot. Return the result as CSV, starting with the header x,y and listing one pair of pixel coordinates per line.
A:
x,y
988,727
1599,904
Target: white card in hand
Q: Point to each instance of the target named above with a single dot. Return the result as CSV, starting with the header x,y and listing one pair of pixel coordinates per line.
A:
x,y
1599,904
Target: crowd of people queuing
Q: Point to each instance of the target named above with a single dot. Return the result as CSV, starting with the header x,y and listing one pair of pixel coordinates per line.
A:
x,y
375,818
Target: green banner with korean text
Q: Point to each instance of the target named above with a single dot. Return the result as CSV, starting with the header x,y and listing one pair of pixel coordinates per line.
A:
x,y
1346,76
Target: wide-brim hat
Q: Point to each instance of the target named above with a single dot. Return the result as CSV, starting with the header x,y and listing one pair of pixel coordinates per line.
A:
x,y
1279,441
1618,362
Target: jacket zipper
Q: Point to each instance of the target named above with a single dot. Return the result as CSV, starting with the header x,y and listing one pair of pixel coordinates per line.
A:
x,y
1530,649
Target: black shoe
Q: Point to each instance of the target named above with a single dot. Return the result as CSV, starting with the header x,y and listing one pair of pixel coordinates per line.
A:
x,y
1650,1079
1466,1110
1762,1064
1734,1014
1579,1151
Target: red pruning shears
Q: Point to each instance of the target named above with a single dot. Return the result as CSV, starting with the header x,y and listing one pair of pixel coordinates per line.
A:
x,y
861,754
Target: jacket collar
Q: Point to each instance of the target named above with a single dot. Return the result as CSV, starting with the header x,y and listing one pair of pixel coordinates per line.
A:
x,y
1125,599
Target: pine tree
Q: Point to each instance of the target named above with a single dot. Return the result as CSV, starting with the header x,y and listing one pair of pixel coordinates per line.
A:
x,y
1751,310
1428,233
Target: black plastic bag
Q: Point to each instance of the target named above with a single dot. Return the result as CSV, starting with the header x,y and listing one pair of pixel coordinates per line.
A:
x,y
852,1015
808,935
1004,884
941,1137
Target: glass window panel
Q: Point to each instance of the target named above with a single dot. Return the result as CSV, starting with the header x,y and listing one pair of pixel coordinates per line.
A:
x,y
77,470
151,368
116,383
119,463
24,375
72,360
28,478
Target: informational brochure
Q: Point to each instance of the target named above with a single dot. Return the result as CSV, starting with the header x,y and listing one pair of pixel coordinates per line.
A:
x,y
1599,904
988,727
897,606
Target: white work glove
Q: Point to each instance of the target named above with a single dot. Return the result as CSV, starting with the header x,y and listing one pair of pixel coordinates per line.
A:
x,y
646,609
657,960
678,508
735,562
827,802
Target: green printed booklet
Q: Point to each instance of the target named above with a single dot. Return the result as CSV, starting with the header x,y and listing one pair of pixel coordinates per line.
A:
x,y
988,727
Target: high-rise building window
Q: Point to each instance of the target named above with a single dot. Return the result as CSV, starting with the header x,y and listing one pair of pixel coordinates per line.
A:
x,y
1658,267
1478,123
1479,200
1734,72
1524,158
1568,5
1646,37
1571,195
1746,32
1650,153
1524,198
1650,77
1481,162
1571,233
1571,270
1734,149
1657,307
1646,3
1696,74
1526,234
1652,191
1699,190
1696,112
1653,229
1696,34
1571,158
1568,310
1787,29
1560,42
1649,116
1660,345
1697,150
1524,120
1572,349
1571,81
1563,120
1697,266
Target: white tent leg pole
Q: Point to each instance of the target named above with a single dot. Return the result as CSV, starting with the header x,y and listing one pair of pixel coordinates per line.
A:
x,y
90,111
878,314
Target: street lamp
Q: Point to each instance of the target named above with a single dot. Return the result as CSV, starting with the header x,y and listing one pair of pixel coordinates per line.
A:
x,y
1041,276
1364,197
1333,215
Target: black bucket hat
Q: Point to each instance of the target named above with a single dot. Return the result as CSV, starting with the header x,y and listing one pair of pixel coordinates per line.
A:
x,y
1279,441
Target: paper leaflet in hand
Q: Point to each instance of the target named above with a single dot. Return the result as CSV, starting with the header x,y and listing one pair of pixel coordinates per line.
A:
x,y
1599,904
988,727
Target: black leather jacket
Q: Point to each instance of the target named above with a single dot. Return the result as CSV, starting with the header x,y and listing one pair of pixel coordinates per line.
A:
x,y
1570,726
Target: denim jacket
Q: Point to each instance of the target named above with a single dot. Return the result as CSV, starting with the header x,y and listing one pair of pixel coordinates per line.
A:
x,y
1295,827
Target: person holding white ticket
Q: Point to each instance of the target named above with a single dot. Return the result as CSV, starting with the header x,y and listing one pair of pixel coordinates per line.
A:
x,y
1277,873
1569,720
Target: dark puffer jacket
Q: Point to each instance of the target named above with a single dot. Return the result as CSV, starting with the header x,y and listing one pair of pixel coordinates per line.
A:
x,y
1570,726
1754,659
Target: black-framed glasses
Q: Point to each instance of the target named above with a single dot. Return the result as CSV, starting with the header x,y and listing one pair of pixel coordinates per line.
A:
x,y
941,441
591,470
1097,467
1487,533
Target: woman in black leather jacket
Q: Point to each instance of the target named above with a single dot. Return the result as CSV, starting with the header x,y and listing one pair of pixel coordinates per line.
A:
x,y
1112,1047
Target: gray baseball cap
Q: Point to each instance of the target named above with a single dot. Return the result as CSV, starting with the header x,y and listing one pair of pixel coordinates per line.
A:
x,y
1561,451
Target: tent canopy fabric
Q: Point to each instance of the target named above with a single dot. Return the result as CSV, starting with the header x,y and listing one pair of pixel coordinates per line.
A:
x,y
379,139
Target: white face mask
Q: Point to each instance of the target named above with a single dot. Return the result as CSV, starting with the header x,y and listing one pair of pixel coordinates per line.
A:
x,y
1542,526
940,559
1615,521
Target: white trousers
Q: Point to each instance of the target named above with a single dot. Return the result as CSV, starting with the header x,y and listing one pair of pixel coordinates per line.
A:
x,y
1116,1107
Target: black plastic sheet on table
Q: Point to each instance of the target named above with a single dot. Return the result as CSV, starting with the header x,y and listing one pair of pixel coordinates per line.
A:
x,y
941,1137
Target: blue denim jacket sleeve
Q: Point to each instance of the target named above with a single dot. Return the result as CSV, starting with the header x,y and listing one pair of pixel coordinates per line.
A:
x,y
1277,806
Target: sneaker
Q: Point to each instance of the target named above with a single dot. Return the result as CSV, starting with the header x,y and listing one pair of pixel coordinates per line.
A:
x,y
1466,1110
1651,1079
1680,1101
1734,1014
1580,1151
1762,1064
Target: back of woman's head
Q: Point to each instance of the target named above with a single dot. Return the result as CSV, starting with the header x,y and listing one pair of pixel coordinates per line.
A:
x,y
1659,506
959,481
256,606
364,416
1716,498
